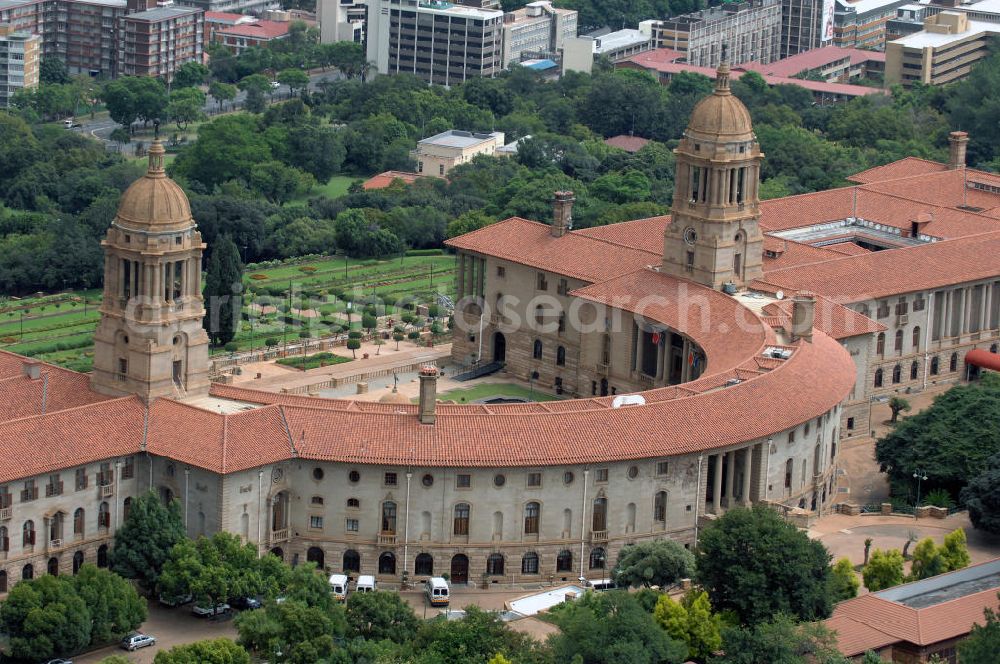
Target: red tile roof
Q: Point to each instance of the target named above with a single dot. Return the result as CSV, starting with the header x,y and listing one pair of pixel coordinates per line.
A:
x,y
630,144
898,169
838,321
814,59
573,255
789,253
383,180
262,30
643,234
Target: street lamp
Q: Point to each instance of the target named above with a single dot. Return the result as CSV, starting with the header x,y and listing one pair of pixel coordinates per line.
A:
x,y
920,476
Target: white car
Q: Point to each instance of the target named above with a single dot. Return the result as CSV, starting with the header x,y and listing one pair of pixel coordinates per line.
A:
x,y
202,611
138,640
275,85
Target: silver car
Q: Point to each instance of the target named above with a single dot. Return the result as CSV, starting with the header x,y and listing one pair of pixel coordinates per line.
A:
x,y
137,640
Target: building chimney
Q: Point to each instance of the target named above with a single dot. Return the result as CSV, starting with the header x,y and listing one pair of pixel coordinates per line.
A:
x,y
32,369
803,316
957,141
428,393
562,213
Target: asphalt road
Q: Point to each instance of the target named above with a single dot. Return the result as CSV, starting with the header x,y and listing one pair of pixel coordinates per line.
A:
x,y
101,128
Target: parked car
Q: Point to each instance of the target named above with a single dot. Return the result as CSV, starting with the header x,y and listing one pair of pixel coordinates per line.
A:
x,y
245,603
366,584
202,611
275,85
70,123
176,601
138,640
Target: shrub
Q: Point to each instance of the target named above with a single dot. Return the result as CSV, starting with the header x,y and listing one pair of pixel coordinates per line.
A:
x,y
257,276
232,347
271,341
354,335
413,335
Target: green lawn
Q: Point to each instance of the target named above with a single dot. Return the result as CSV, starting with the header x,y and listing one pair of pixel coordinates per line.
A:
x,y
335,188
491,390
313,361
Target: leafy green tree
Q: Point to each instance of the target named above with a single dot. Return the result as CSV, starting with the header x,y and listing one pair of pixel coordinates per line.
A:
x,y
292,631
222,92
657,563
186,106
353,345
132,98
144,541
223,282
475,638
927,560
52,70
844,582
116,659
255,102
608,628
896,405
779,641
214,651
884,570
295,79
227,148
279,183
983,642
955,550
982,497
467,222
190,75
376,616
121,136
956,437
115,607
44,618
756,564
692,622
257,82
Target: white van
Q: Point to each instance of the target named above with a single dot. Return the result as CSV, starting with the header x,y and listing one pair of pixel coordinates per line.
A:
x,y
338,586
603,584
436,589
366,584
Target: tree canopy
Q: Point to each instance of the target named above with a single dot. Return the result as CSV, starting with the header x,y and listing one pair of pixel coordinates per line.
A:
x,y
144,541
656,563
223,288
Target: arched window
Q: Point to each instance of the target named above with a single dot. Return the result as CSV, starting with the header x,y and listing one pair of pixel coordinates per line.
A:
x,y
897,374
914,370
4,540
898,346
935,366
315,555
532,511
77,561
104,516
880,344
789,468
461,522
494,564
79,524
53,567
497,525
529,563
537,352
3,581
916,338
564,561
126,507
423,565
953,364
102,555
600,518
353,503
993,348
561,356
630,517
352,561
598,558
387,563
28,533
27,572
388,517
878,378
660,507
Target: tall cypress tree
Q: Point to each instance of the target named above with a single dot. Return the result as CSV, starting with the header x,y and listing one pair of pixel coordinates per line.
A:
x,y
223,286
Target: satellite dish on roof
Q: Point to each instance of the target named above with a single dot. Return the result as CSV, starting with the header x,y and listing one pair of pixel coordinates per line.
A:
x,y
780,295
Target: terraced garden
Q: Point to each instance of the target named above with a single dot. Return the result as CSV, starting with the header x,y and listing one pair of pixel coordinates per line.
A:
x,y
286,302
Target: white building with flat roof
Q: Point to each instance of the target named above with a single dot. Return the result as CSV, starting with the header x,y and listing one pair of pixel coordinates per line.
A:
x,y
442,152
944,51
579,53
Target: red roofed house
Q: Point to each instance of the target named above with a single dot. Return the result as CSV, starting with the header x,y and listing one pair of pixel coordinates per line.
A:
x,y
383,180
247,34
917,621
714,357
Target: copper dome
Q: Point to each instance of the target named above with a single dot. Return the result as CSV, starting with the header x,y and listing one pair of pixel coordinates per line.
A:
x,y
721,116
154,200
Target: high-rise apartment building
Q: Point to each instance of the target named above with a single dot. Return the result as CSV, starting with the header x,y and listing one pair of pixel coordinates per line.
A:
x,y
257,7
862,23
536,30
436,41
752,31
802,25
157,41
19,60
341,20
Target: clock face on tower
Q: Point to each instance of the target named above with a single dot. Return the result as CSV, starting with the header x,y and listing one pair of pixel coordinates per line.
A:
x,y
690,235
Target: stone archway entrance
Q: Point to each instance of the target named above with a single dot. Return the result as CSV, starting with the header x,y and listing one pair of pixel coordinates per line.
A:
x,y
315,555
460,569
499,347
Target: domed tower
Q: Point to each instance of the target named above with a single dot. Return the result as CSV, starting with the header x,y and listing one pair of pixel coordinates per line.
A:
x,y
150,341
714,237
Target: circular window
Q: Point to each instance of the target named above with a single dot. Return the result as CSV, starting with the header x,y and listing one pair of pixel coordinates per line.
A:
x,y
633,472
354,476
499,480
690,235
567,477
427,480
317,474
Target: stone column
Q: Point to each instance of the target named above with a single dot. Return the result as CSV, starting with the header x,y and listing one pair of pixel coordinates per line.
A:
x,y
685,364
966,310
747,475
638,349
270,520
660,353
717,485
730,472
157,292
946,332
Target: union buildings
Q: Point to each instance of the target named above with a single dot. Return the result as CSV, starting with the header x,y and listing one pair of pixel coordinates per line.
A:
x,y
717,357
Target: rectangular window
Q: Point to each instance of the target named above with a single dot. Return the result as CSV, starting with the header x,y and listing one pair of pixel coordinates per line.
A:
x,y
919,304
689,260
55,486
316,500
81,479
5,499
351,525
29,492
441,169
316,522
122,368
543,283
850,423
390,479
463,481
602,475
534,479
791,437
662,468
501,271
128,468
883,310
563,287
